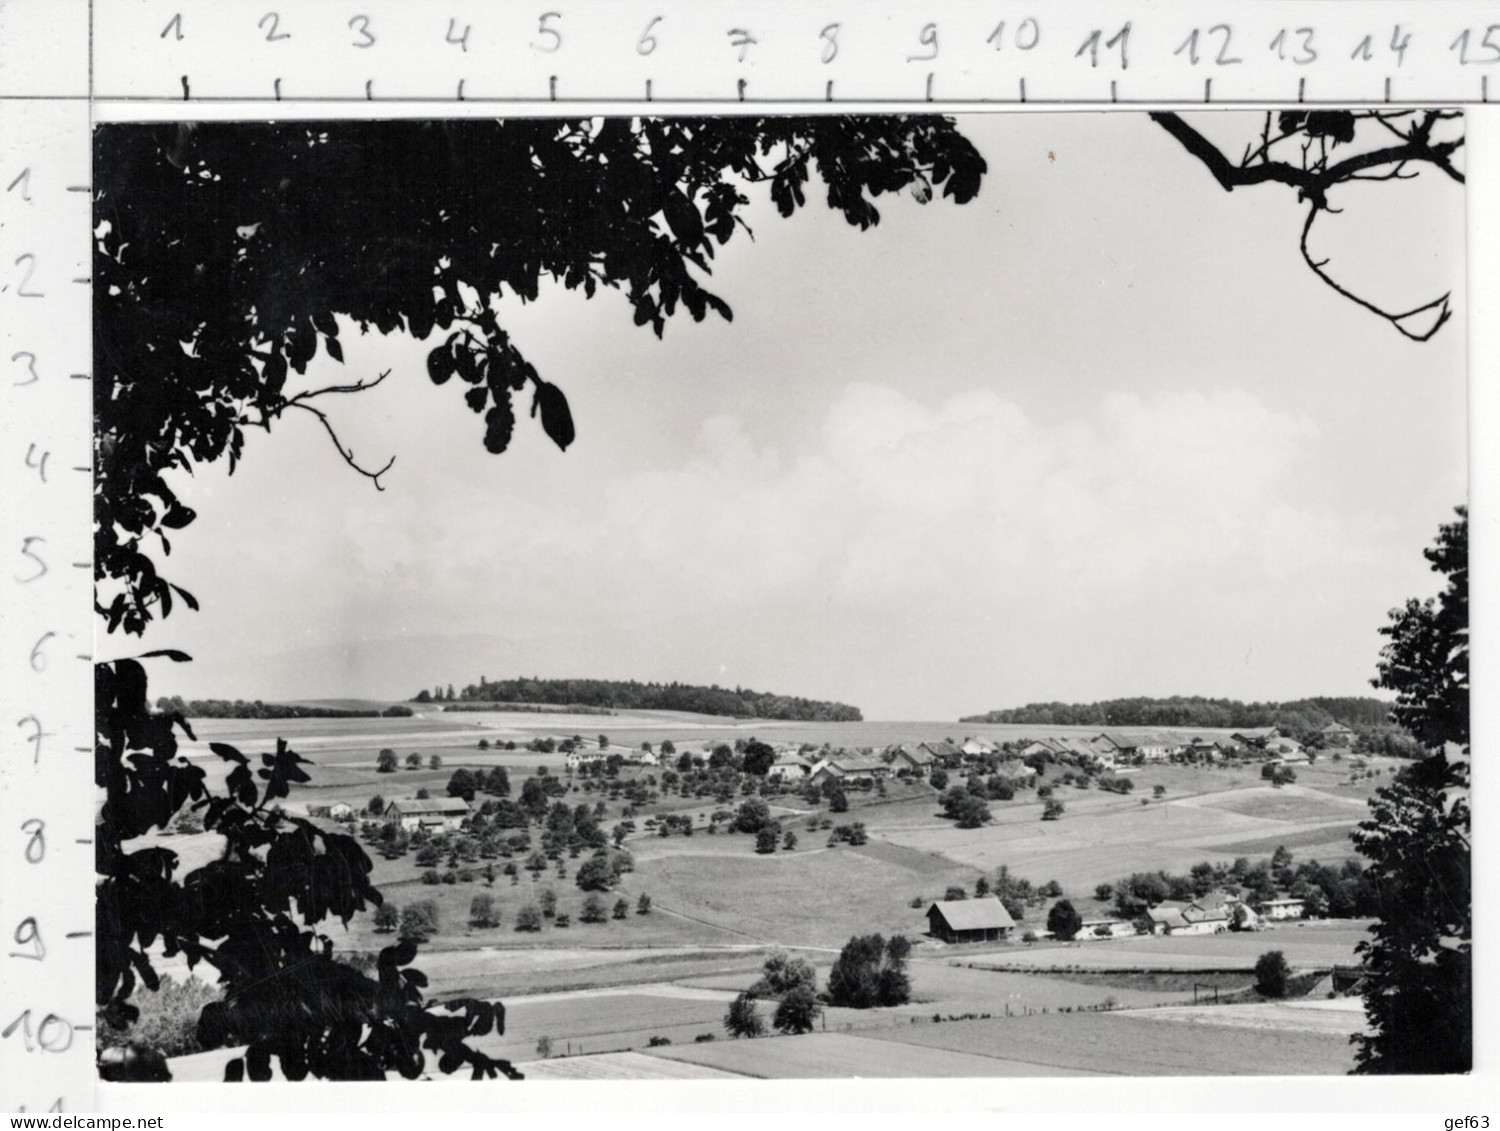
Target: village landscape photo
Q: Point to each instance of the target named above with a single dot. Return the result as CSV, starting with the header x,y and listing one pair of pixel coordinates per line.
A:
x,y
720,598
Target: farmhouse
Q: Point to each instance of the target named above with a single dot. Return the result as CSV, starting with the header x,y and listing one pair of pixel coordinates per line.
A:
x,y
1016,772
641,758
1106,928
1286,750
969,920
428,813
1137,748
1284,908
789,766
944,753
1075,748
1206,917
918,762
580,758
1337,734
849,767
976,748
1255,736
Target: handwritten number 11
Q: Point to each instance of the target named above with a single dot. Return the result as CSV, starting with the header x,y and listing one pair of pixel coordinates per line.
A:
x,y
1120,39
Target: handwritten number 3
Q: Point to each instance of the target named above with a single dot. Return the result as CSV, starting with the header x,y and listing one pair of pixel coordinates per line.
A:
x,y
360,25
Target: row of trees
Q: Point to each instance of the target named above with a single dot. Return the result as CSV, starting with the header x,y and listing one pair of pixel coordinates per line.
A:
x,y
1292,717
737,702
870,972
256,709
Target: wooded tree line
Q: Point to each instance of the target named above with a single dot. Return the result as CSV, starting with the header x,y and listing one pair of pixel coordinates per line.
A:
x,y
256,709
739,702
1292,717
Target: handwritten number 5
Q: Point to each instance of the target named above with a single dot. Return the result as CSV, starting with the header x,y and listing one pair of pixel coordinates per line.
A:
x,y
551,32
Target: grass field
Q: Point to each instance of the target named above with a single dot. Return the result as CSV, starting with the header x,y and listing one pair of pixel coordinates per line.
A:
x,y
841,1055
1130,1043
816,898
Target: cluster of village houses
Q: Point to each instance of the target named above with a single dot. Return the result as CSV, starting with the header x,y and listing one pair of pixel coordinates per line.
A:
x,y
1107,750
986,920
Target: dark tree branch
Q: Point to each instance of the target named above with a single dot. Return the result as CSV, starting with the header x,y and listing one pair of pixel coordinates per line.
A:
x,y
357,387
347,454
1439,304
1315,176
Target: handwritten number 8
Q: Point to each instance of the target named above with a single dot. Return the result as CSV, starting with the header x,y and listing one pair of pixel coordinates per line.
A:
x,y
36,845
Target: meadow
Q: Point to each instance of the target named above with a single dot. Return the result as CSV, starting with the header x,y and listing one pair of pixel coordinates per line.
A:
x,y
719,907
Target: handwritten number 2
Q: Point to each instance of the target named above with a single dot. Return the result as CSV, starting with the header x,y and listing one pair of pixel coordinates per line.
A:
x,y
274,32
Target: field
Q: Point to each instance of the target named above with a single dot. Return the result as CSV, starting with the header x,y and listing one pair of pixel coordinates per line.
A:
x,y
1131,1043
842,1055
718,908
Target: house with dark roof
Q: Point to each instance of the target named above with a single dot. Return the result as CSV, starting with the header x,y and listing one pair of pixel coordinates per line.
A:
x,y
944,753
969,920
917,762
1337,734
849,767
1136,748
428,812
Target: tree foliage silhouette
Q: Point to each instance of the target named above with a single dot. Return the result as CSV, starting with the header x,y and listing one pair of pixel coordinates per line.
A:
x,y
226,257
1418,963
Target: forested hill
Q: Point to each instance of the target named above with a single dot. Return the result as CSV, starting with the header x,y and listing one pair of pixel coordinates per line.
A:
x,y
631,695
1195,711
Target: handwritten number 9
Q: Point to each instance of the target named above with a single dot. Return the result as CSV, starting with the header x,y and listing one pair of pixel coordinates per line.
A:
x,y
28,934
927,38
36,844
647,43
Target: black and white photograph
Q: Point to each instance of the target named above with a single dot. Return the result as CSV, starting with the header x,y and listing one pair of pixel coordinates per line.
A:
x,y
735,597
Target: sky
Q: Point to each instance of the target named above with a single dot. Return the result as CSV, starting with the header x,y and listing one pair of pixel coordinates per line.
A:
x,y
1098,433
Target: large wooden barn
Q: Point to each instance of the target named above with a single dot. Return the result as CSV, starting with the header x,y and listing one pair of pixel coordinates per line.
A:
x,y
969,920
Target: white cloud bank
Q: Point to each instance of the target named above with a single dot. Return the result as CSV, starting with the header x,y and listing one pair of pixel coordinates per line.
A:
x,y
963,503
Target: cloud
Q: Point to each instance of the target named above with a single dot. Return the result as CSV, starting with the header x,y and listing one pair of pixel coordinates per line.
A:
x,y
966,502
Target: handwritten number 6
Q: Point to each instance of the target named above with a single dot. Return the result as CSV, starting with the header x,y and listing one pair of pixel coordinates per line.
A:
x,y
647,42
